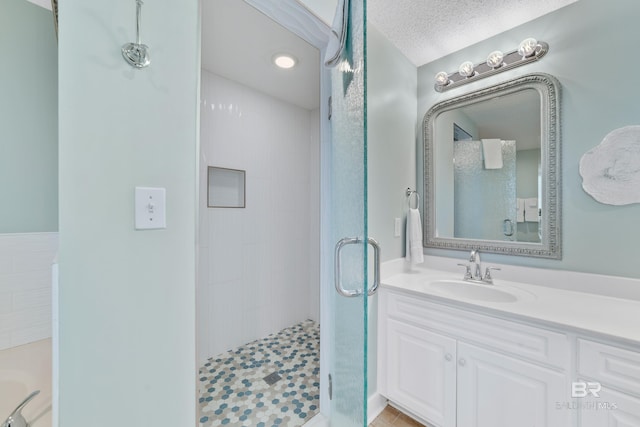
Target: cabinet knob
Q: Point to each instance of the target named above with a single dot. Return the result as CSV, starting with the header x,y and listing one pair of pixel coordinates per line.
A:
x,y
448,357
462,362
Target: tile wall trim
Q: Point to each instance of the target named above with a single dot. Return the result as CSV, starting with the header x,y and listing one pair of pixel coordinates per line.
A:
x,y
25,287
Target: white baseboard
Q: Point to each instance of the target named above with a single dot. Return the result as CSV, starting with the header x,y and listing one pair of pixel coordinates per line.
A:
x,y
375,406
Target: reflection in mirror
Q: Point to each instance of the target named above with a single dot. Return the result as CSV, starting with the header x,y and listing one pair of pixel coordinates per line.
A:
x,y
28,207
486,157
28,119
497,214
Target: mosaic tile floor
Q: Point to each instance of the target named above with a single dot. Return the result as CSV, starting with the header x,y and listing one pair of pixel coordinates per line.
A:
x,y
235,386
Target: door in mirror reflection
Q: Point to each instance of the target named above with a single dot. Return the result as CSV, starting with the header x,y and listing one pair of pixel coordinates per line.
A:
x,y
479,214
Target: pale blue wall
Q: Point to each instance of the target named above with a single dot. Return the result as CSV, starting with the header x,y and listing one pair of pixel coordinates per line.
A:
x,y
391,135
593,47
443,174
527,163
527,167
127,298
28,119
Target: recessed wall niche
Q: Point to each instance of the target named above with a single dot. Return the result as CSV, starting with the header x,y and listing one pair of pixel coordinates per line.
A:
x,y
225,188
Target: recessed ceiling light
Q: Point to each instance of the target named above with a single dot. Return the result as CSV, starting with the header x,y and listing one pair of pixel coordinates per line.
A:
x,y
284,60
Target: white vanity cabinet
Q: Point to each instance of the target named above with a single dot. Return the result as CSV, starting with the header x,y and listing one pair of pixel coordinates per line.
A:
x,y
451,367
421,372
497,390
613,377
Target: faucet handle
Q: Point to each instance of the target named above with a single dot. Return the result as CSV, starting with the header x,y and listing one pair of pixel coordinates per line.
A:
x,y
467,273
16,419
487,274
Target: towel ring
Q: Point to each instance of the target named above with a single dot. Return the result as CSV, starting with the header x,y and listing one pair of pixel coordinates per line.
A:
x,y
411,192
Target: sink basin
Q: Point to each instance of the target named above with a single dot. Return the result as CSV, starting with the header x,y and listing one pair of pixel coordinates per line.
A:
x,y
479,292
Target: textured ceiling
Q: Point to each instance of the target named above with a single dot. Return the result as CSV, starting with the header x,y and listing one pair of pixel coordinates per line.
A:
x,y
425,30
238,41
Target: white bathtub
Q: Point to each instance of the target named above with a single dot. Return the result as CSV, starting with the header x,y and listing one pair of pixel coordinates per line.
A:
x,y
23,370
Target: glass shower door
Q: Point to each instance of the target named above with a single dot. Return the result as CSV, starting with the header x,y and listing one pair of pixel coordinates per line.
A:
x,y
493,213
349,229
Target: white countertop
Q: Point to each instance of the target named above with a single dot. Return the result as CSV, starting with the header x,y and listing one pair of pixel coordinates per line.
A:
x,y
615,317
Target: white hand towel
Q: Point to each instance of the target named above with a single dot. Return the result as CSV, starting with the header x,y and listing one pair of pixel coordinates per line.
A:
x,y
414,254
520,210
531,212
338,35
492,153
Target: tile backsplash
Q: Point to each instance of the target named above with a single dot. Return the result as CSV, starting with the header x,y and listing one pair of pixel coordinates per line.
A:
x,y
25,287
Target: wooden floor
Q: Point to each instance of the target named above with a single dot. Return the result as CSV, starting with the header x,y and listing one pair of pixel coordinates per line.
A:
x,y
391,417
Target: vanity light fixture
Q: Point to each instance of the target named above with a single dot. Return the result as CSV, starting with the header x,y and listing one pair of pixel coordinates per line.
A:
x,y
528,51
495,59
284,60
527,47
442,78
466,69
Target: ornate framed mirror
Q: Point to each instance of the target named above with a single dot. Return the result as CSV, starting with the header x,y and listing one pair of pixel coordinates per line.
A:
x,y
492,169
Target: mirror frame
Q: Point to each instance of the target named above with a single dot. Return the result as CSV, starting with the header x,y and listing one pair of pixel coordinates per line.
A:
x,y
548,88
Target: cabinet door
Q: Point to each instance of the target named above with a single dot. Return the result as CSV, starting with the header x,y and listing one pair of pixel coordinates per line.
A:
x,y
610,409
495,390
421,372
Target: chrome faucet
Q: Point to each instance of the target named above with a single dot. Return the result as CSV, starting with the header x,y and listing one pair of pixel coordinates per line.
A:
x,y
16,419
475,275
474,261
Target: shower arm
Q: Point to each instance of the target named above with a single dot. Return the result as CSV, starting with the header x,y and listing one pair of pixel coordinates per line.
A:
x,y
139,4
137,54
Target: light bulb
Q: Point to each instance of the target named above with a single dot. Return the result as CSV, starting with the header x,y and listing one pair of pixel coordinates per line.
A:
x,y
495,59
442,78
284,60
466,69
527,47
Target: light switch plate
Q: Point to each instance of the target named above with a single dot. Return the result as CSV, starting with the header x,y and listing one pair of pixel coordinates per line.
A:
x,y
397,230
150,208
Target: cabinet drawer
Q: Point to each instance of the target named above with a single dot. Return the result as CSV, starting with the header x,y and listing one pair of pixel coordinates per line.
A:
x,y
609,365
537,344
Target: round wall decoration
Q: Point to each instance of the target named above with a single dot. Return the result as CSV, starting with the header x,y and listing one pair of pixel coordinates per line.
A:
x,y
611,171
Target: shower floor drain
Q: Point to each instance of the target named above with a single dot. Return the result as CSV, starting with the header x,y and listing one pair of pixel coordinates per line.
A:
x,y
273,378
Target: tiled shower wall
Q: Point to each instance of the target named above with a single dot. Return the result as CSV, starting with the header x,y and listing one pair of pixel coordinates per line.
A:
x,y
258,266
25,287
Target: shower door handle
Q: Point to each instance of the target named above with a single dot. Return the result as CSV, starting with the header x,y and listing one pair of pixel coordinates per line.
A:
x,y
350,293
376,266
507,227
